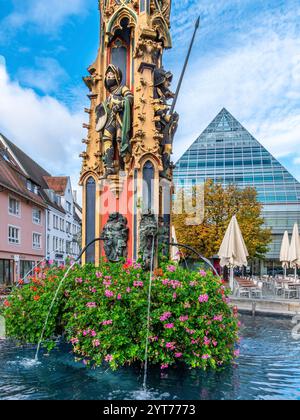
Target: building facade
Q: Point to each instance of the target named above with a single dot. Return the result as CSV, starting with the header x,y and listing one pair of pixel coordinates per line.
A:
x,y
39,216
22,221
63,222
228,154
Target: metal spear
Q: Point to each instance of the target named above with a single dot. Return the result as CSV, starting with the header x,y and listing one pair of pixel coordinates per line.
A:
x,y
184,67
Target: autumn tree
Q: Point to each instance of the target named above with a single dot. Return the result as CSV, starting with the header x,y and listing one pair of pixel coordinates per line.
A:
x,y
220,204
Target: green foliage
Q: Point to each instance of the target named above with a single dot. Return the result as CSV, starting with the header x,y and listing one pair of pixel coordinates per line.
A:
x,y
102,311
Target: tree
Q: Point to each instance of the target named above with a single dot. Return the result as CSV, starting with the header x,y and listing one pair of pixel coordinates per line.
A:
x,y
220,204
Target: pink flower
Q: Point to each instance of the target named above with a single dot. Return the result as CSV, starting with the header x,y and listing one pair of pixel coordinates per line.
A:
x,y
107,282
193,283
85,333
165,316
99,275
205,356
128,290
109,293
190,331
96,343
206,341
203,298
119,297
171,268
169,326
178,355
91,305
137,266
79,280
164,366
236,353
74,341
170,346
108,358
108,322
138,284
85,362
202,273
175,284
93,290
215,343
129,262
184,318
174,295
153,338
93,333
218,318
165,282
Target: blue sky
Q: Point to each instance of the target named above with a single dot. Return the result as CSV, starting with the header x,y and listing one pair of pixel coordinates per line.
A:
x,y
246,58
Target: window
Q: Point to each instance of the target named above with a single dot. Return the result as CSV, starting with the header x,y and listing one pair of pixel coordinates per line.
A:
x,y
55,221
69,207
68,227
62,225
36,241
14,235
69,248
6,272
14,207
32,187
37,216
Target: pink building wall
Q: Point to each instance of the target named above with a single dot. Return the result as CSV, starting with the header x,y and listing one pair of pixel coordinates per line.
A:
x,y
25,249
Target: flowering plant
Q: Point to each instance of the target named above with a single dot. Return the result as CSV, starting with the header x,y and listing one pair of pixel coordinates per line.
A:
x,y
102,312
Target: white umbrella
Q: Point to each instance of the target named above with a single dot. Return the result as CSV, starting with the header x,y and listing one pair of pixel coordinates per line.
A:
x,y
175,253
294,251
233,251
284,252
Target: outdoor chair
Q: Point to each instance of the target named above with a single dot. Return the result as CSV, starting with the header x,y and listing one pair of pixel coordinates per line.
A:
x,y
243,292
278,289
290,292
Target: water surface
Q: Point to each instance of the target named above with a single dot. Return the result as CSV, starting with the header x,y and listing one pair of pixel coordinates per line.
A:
x,y
268,368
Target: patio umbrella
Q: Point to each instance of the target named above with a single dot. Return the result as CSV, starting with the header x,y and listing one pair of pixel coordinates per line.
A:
x,y
233,251
175,253
294,251
284,252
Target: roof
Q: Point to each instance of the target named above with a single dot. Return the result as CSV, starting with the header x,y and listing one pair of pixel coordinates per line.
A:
x,y
12,179
57,183
228,154
34,171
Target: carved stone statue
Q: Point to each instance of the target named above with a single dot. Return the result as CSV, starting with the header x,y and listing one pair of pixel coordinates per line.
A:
x,y
163,237
166,124
114,120
115,237
148,234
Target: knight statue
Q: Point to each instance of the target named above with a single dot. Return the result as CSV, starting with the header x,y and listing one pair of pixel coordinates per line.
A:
x,y
114,120
166,124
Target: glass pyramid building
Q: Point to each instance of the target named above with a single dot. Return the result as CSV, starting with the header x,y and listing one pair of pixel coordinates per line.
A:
x,y
228,154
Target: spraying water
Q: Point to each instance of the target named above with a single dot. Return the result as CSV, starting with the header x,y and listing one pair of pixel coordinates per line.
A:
x,y
148,317
50,309
56,294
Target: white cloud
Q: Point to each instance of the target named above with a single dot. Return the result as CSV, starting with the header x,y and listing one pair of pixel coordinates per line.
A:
x,y
45,16
47,75
41,126
258,82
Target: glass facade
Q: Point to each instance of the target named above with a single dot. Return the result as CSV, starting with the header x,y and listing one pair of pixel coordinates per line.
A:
x,y
228,154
